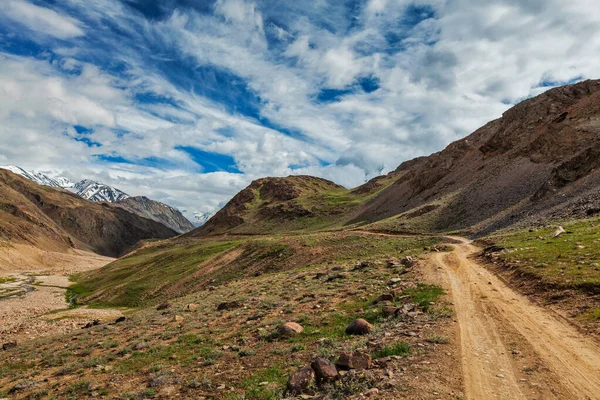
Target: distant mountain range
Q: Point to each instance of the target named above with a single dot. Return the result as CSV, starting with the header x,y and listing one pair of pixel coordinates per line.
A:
x,y
101,193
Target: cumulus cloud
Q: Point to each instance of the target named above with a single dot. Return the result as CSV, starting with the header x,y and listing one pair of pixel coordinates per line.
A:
x,y
269,87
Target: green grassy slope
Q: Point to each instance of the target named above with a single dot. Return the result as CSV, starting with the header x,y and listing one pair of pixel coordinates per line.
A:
x,y
175,268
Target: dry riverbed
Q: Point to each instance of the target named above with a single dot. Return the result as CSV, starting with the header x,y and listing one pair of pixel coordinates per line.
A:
x,y
33,302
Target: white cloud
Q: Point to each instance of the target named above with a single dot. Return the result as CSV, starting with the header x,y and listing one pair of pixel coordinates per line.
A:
x,y
439,80
41,19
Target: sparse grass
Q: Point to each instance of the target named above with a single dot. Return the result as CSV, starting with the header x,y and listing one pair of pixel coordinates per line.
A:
x,y
274,377
425,294
593,315
7,279
398,349
571,260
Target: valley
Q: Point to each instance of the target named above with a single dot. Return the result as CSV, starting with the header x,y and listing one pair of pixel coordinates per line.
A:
x,y
472,273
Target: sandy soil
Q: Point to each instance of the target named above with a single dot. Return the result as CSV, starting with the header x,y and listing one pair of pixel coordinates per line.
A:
x,y
510,347
38,289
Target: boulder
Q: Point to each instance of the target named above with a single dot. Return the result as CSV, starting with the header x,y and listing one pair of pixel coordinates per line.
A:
x,y
300,381
92,323
408,261
9,345
385,297
559,231
394,281
359,327
290,329
324,370
229,305
357,360
191,307
178,319
389,311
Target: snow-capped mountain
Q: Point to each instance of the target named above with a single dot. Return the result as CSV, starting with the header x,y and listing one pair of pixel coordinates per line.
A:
x,y
200,218
96,191
38,177
99,192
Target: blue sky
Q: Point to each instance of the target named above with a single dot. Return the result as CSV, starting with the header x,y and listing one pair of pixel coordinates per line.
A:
x,y
187,101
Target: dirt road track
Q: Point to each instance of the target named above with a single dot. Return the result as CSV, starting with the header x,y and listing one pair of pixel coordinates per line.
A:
x,y
486,309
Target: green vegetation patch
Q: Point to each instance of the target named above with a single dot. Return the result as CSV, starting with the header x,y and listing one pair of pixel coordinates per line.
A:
x,y
571,260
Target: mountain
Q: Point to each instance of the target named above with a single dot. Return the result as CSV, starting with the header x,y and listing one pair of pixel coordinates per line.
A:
x,y
99,192
157,211
540,161
37,177
295,203
200,218
54,219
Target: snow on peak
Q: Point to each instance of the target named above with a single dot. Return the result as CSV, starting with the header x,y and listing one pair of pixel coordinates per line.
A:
x,y
96,191
37,177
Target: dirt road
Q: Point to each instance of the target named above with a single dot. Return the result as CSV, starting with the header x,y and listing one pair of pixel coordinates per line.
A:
x,y
510,347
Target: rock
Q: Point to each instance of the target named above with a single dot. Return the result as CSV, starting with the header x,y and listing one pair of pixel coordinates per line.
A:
x,y
336,277
191,307
408,261
229,305
9,345
559,231
362,265
140,346
300,381
389,311
385,297
359,327
23,385
407,308
163,306
92,323
120,319
371,392
324,370
179,319
357,360
290,329
394,281
337,268
158,381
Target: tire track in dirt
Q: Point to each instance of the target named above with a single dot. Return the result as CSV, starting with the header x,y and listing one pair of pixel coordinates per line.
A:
x,y
483,304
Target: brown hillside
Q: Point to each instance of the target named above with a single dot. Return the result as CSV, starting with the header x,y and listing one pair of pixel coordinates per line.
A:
x,y
540,160
55,219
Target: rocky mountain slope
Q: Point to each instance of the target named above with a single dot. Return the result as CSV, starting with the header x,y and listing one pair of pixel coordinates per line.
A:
x,y
56,220
157,211
540,161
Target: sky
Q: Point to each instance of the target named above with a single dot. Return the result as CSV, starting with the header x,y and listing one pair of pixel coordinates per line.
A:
x,y
188,101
